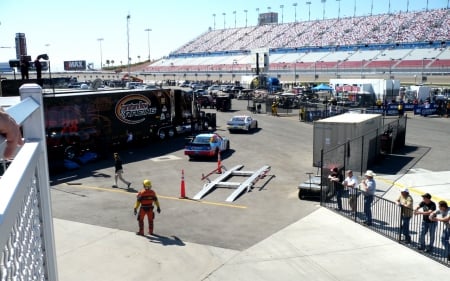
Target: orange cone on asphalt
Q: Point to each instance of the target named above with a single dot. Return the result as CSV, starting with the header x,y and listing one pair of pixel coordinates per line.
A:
x,y
219,163
182,187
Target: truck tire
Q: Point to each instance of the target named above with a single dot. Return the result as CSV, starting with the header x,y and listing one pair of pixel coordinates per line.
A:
x,y
69,153
171,132
162,134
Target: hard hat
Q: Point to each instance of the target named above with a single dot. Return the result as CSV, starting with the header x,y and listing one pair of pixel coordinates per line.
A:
x,y
147,183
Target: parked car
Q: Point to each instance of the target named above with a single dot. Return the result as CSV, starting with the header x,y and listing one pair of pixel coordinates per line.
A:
x,y
242,123
206,145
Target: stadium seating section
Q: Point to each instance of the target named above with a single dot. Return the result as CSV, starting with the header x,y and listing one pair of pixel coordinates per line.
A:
x,y
388,41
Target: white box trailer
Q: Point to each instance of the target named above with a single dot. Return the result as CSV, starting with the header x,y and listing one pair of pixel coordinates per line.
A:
x,y
331,133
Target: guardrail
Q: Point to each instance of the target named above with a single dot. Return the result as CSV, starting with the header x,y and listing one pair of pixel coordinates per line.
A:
x,y
26,226
387,221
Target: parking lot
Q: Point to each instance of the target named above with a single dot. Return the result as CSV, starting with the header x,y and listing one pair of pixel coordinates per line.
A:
x,y
283,143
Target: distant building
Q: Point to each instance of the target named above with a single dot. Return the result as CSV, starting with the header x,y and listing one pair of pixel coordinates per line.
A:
x,y
21,45
267,18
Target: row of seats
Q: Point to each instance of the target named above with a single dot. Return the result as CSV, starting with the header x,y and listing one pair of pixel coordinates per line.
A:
x,y
432,25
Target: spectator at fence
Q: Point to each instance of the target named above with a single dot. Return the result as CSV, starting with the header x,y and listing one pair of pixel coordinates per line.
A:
x,y
425,208
443,215
405,202
351,183
11,131
336,179
368,186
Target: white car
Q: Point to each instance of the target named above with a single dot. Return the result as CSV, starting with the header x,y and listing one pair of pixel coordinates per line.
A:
x,y
242,123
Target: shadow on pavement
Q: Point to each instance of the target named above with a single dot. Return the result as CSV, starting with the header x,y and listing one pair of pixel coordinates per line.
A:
x,y
166,241
403,160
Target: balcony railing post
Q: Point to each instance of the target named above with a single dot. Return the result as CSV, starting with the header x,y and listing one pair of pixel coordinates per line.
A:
x,y
34,129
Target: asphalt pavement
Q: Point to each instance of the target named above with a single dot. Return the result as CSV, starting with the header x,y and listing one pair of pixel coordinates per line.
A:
x,y
267,234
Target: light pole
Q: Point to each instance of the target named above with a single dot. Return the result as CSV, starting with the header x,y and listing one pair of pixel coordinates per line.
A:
x,y
295,11
339,8
101,53
224,14
309,10
245,11
234,12
389,7
362,65
371,8
282,13
323,8
407,5
148,41
128,45
257,13
354,9
315,70
427,6
214,16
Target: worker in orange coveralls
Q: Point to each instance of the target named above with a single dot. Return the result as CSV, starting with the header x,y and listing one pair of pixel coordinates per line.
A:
x,y
145,199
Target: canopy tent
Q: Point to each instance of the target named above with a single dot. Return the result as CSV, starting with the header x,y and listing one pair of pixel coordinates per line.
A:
x,y
322,87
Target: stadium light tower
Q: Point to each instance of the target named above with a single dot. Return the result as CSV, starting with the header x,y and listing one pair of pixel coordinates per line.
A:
x,y
354,9
282,13
214,16
407,5
101,53
257,13
339,8
389,7
128,45
245,11
295,11
309,10
224,14
371,8
148,41
427,6
234,13
323,9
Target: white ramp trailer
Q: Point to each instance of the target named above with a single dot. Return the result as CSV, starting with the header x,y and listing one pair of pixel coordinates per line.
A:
x,y
383,89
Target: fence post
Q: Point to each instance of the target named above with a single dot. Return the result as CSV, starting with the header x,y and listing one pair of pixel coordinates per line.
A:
x,y
34,128
362,154
321,178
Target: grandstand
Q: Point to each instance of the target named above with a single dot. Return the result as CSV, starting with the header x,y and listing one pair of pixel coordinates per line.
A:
x,y
402,42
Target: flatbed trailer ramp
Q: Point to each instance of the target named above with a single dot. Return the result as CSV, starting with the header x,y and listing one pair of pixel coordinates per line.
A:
x,y
221,181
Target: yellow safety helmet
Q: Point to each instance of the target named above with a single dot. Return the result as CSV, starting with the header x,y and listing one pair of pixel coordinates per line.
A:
x,y
147,183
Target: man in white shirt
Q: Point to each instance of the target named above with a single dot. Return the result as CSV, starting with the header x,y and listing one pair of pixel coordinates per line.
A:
x,y
351,183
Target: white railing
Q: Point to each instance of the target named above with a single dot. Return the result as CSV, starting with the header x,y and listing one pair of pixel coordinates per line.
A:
x,y
26,228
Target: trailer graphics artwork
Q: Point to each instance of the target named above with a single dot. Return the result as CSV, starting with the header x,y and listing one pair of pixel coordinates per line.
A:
x,y
134,109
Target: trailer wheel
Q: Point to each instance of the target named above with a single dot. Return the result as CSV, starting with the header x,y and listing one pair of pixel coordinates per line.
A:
x,y
301,196
161,134
171,132
69,153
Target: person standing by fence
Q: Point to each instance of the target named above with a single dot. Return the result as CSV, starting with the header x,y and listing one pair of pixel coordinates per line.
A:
x,y
336,179
425,208
368,186
443,215
405,201
351,183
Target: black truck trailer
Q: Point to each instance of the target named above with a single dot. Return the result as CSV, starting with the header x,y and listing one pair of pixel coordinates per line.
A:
x,y
94,123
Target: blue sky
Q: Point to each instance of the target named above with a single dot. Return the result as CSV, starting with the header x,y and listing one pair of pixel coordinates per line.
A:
x,y
69,30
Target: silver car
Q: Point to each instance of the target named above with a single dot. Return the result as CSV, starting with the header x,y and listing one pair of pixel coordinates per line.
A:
x,y
242,123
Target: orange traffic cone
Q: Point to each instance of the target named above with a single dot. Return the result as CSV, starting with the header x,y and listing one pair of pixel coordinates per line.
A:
x,y
219,163
182,187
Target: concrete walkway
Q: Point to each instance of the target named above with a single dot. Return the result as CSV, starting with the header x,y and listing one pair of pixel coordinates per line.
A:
x,y
321,246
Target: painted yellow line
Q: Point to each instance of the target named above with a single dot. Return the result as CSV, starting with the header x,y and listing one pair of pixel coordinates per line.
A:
x,y
118,190
411,189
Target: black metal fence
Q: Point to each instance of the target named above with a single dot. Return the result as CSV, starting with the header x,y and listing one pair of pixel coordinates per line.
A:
x,y
387,220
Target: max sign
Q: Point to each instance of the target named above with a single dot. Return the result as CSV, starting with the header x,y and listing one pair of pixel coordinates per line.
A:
x,y
75,65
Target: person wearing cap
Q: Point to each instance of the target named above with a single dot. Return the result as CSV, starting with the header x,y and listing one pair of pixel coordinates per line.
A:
x,y
368,186
443,215
119,171
405,201
425,208
145,200
351,183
